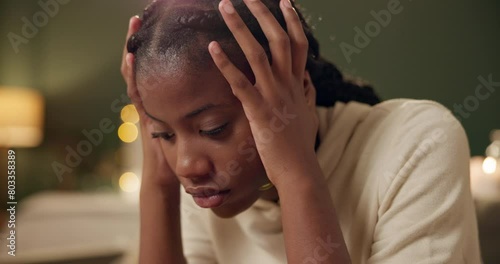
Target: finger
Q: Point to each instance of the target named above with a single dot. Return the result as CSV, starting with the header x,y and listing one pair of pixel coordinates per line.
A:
x,y
279,42
134,25
255,54
132,91
242,88
298,39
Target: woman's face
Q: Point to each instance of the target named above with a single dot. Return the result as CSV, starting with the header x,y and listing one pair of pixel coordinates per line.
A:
x,y
206,138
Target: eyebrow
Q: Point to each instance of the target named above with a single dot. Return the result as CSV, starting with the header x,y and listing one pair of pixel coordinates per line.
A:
x,y
190,115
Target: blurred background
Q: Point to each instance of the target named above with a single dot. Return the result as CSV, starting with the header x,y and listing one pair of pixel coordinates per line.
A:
x,y
63,107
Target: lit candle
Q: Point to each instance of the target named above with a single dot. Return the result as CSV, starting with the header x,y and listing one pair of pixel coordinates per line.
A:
x,y
485,178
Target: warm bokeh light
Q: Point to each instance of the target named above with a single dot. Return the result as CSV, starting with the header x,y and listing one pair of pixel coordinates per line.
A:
x,y
129,182
129,114
489,165
484,186
21,117
493,150
128,132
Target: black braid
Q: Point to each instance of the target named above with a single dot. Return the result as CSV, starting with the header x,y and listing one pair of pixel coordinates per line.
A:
x,y
149,19
330,84
189,30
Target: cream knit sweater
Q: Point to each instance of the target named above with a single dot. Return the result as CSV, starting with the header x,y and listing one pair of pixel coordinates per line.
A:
x,y
398,175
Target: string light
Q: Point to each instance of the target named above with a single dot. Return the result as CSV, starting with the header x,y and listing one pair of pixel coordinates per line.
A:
x,y
128,132
129,114
129,182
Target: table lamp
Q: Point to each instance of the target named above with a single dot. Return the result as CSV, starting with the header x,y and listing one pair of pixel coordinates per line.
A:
x,y
21,117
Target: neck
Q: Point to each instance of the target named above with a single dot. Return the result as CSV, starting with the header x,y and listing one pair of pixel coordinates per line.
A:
x,y
270,195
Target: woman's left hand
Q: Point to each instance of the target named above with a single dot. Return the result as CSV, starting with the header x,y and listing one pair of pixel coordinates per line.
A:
x,y
279,106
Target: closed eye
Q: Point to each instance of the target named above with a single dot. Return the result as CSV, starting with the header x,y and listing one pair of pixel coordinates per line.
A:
x,y
168,136
163,135
214,132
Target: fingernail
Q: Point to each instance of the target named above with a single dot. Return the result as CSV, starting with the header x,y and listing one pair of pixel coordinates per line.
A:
x,y
127,60
287,3
215,48
228,7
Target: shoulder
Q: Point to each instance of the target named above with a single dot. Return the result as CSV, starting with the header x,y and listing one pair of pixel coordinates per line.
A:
x,y
388,134
421,112
419,163
409,122
406,135
418,147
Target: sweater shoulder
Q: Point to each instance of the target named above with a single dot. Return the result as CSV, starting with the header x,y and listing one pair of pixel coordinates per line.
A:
x,y
403,107
414,118
400,131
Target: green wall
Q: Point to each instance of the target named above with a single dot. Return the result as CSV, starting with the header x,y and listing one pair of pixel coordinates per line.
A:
x,y
430,49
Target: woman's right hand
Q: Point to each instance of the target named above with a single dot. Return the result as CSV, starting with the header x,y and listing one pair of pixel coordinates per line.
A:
x,y
155,170
160,231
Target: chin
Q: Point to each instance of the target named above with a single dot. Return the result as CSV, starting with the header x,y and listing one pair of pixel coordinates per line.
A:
x,y
222,213
233,209
227,211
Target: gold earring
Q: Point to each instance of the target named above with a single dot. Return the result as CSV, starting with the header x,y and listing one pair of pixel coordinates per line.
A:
x,y
266,187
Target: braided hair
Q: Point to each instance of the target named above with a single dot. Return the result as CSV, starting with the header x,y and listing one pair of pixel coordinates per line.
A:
x,y
176,34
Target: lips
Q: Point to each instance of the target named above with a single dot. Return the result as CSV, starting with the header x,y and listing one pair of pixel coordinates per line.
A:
x,y
208,197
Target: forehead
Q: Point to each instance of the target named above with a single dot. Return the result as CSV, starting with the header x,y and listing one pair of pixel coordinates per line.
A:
x,y
174,93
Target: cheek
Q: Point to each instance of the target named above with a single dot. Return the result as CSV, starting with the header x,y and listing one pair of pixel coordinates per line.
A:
x,y
169,154
243,144
245,158
238,158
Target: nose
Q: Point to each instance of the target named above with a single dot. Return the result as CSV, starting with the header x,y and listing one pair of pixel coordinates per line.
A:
x,y
192,161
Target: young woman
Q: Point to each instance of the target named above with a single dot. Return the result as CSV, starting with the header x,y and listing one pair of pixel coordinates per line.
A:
x,y
241,114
